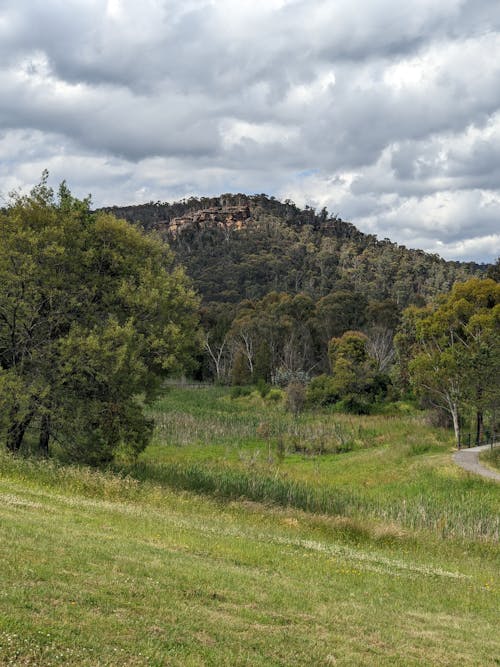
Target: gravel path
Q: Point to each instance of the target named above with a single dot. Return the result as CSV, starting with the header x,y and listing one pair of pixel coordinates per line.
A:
x,y
468,459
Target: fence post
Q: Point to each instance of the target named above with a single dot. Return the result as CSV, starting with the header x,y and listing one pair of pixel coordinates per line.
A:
x,y
468,440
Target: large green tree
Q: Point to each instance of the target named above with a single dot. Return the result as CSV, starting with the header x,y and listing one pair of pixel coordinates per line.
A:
x,y
451,350
93,314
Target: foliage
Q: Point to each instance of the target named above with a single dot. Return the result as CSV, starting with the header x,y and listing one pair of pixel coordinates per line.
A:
x,y
322,390
494,271
452,350
280,247
93,314
277,283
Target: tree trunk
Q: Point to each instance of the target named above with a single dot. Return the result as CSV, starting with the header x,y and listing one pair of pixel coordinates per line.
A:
x,y
43,442
16,431
479,426
456,424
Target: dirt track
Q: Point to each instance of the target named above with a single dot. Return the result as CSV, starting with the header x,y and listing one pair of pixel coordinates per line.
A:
x,y
468,459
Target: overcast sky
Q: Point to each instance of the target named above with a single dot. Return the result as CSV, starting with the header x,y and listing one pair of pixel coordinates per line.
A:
x,y
386,112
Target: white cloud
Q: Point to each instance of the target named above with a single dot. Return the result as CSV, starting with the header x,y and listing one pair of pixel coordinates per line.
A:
x,y
388,113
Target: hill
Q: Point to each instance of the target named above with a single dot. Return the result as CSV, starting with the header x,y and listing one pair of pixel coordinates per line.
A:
x,y
239,246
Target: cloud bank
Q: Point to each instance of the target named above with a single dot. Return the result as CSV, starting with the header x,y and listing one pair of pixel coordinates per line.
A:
x,y
387,114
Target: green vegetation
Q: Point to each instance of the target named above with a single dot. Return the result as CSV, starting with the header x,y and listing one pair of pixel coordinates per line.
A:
x,y
92,314
492,458
452,351
304,515
238,247
392,467
99,569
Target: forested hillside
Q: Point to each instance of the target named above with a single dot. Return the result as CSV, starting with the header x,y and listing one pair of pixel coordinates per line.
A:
x,y
243,247
281,285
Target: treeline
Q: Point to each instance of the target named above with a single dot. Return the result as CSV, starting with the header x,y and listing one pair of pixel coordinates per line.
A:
x,y
355,353
283,336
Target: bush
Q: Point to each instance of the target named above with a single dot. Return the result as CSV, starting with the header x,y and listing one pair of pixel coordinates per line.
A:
x,y
262,387
237,392
322,391
295,397
274,395
355,405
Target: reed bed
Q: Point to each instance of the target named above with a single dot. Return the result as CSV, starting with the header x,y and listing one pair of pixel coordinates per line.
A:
x,y
391,468
472,518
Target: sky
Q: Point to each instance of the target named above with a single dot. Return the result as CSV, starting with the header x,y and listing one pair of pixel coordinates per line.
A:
x,y
386,112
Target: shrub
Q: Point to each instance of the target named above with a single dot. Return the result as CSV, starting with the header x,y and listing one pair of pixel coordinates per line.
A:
x,y
322,391
274,395
355,405
295,397
263,388
237,392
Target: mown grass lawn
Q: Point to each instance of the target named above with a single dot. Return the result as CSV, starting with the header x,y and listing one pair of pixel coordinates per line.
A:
x,y
98,570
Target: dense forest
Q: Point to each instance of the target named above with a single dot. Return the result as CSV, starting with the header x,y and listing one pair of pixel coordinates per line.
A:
x,y
285,291
238,247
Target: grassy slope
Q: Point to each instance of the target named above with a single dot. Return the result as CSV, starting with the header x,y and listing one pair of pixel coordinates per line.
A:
x,y
102,571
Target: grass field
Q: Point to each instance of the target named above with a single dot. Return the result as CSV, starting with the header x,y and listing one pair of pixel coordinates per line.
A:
x,y
492,458
99,568
392,467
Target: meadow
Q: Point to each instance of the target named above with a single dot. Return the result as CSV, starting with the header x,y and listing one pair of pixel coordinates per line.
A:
x,y
392,466
245,536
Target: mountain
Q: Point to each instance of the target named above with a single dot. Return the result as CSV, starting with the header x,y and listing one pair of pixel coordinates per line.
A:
x,y
238,247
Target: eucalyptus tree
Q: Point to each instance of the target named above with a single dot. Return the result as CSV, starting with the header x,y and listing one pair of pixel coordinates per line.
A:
x,y
452,350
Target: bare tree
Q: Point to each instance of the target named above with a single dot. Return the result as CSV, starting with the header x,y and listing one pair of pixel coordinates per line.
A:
x,y
219,356
381,347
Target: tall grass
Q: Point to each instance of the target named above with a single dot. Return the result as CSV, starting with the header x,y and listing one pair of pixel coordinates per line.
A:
x,y
436,511
397,468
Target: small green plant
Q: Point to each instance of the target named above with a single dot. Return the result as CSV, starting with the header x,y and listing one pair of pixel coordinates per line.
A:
x,y
280,449
274,395
239,392
263,388
417,448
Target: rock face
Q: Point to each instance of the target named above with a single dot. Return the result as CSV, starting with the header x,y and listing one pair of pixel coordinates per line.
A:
x,y
225,217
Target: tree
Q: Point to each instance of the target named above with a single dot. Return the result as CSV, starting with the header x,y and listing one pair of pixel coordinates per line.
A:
x,y
353,369
452,350
494,271
93,314
216,319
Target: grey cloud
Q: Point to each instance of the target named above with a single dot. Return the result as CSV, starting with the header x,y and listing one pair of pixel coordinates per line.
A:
x,y
394,107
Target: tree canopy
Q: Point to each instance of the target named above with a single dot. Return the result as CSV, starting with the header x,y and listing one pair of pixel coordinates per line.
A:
x,y
93,314
451,349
